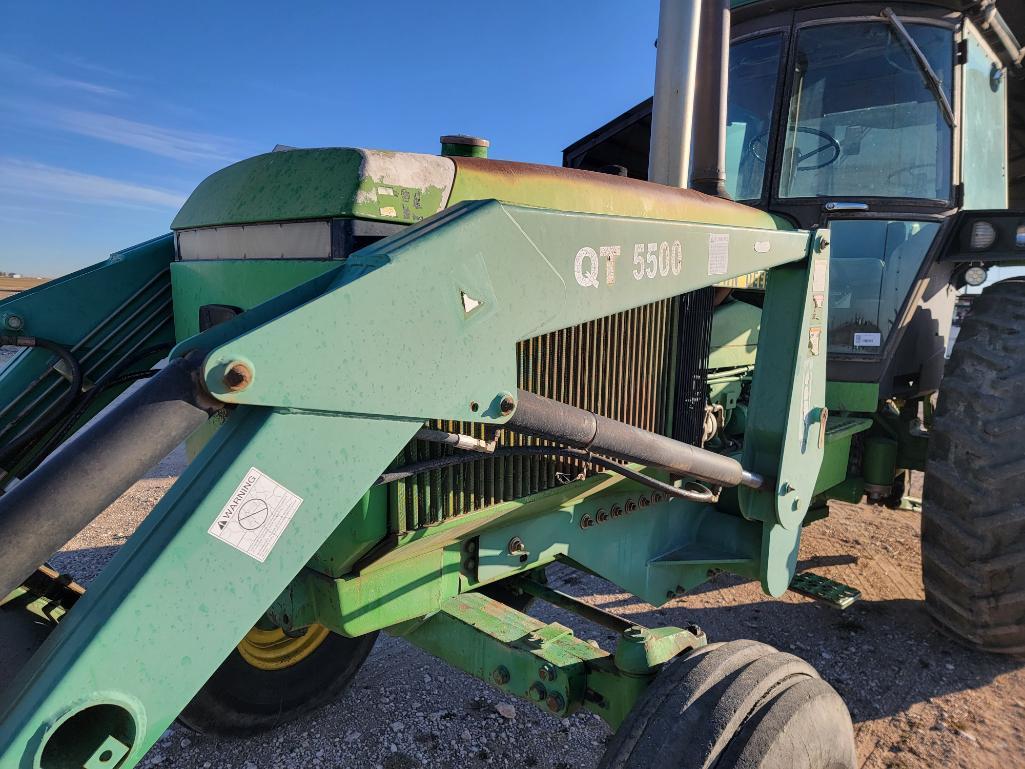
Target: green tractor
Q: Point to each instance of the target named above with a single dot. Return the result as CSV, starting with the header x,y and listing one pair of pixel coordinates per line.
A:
x,y
898,128
409,383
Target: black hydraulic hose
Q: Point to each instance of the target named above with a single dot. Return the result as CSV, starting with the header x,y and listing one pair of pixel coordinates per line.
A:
x,y
62,432
60,407
57,500
401,473
562,423
108,380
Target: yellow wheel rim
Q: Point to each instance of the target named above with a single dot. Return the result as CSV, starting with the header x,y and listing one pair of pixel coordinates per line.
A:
x,y
273,650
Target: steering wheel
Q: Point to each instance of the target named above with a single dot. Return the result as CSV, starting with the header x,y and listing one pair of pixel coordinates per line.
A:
x,y
830,144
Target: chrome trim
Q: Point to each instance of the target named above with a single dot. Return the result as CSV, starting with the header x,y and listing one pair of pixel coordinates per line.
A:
x,y
836,205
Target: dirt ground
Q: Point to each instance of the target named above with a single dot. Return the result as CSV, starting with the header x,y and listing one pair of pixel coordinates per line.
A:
x,y
11,286
917,699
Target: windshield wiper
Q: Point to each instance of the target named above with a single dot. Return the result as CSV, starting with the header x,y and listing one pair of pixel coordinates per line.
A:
x,y
932,80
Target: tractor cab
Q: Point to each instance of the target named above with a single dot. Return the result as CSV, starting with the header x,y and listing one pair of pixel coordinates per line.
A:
x,y
887,123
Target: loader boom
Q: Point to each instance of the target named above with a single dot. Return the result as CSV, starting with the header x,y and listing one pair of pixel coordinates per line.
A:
x,y
357,389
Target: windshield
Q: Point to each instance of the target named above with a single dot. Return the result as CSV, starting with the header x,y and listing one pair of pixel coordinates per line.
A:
x,y
873,266
754,75
863,121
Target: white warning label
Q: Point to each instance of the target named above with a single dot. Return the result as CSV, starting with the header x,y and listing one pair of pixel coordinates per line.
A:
x,y
256,515
718,254
868,340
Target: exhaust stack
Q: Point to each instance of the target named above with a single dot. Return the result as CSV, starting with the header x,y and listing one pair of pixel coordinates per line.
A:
x,y
710,100
672,116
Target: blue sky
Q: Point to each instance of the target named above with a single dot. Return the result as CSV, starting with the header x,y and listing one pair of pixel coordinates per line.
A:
x,y
111,113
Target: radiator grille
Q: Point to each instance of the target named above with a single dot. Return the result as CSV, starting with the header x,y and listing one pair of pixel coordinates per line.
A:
x,y
620,366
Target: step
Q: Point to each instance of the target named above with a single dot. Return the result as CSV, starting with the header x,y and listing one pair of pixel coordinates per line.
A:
x,y
828,591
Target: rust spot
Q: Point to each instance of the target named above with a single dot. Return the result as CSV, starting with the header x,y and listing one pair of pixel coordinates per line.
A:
x,y
549,186
238,377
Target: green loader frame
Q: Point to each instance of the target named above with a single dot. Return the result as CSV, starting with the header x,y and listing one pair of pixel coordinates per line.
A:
x,y
408,384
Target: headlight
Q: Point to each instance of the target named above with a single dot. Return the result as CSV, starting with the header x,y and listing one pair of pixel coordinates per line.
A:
x,y
1019,239
984,235
975,276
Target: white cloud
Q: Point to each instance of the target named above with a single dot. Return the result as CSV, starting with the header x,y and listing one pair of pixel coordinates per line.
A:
x,y
24,178
190,146
180,145
41,77
80,63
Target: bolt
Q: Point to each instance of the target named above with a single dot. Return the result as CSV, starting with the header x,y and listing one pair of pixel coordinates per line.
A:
x,y
14,322
516,546
500,675
537,692
586,521
470,564
617,511
821,244
555,702
547,673
238,377
470,546
631,506
643,502
657,497
601,516
508,405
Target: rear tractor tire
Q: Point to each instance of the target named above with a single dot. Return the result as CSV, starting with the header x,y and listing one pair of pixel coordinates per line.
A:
x,y
271,678
736,705
973,516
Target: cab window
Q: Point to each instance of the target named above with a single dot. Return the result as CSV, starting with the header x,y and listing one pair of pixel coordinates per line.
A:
x,y
863,122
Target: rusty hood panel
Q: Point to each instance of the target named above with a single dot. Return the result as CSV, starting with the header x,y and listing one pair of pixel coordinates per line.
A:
x,y
569,189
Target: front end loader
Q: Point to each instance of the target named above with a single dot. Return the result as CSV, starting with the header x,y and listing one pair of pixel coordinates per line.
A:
x,y
385,436
408,384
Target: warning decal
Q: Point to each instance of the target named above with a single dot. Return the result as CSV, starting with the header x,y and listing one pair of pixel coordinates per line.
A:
x,y
718,254
256,515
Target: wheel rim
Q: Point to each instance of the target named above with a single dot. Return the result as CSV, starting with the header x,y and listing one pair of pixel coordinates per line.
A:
x,y
273,650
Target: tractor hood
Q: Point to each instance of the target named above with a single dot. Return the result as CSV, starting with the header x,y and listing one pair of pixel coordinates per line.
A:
x,y
403,188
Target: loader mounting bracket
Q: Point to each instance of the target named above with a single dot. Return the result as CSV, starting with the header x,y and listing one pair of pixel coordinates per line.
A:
x,y
546,663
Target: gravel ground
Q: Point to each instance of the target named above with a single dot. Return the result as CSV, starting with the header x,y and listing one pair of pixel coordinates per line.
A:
x,y
917,699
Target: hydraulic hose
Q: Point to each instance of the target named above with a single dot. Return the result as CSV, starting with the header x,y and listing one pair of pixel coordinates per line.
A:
x,y
577,428
60,497
65,428
59,408
407,471
112,378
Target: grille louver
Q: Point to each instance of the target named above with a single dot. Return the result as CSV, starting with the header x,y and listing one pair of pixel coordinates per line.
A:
x,y
622,366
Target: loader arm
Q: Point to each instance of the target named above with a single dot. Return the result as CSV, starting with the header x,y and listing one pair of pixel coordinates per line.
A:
x,y
113,318
327,383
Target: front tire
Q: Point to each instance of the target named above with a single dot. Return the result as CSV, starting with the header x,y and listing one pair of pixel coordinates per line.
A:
x,y
736,705
973,516
270,679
